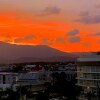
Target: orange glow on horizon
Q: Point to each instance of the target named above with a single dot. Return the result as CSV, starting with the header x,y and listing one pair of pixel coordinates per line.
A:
x,y
46,33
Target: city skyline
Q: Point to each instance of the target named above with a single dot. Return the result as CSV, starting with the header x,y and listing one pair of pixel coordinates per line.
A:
x,y
62,24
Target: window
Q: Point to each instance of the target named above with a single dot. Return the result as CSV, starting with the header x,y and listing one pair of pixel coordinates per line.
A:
x,y
4,79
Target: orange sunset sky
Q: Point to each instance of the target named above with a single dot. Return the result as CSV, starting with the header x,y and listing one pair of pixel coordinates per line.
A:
x,y
67,25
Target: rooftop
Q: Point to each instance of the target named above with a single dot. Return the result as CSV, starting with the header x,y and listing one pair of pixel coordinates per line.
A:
x,y
90,58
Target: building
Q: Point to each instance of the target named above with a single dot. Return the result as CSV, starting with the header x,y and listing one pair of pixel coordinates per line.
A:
x,y
7,68
88,76
68,69
36,78
8,80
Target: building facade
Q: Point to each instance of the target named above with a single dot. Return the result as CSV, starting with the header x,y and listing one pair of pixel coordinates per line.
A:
x,y
68,69
38,80
88,77
8,80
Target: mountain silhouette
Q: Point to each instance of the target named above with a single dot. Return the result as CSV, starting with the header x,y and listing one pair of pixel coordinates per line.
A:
x,y
29,53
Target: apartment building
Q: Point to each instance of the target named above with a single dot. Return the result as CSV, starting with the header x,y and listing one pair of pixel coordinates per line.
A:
x,y
88,76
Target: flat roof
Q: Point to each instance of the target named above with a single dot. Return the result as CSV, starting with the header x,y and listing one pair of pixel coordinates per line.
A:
x,y
91,58
7,73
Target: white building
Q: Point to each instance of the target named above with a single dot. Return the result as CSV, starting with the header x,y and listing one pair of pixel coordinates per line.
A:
x,y
88,75
8,80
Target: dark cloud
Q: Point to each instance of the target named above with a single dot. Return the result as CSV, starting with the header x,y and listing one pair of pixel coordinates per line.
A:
x,y
28,37
90,19
52,10
95,34
60,40
87,43
46,41
74,39
73,32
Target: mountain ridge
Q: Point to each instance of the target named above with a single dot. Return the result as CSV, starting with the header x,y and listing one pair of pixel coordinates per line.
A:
x,y
17,53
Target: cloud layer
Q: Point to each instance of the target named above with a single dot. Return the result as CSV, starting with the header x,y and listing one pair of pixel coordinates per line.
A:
x,y
90,19
52,10
57,23
25,38
73,32
95,34
74,39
